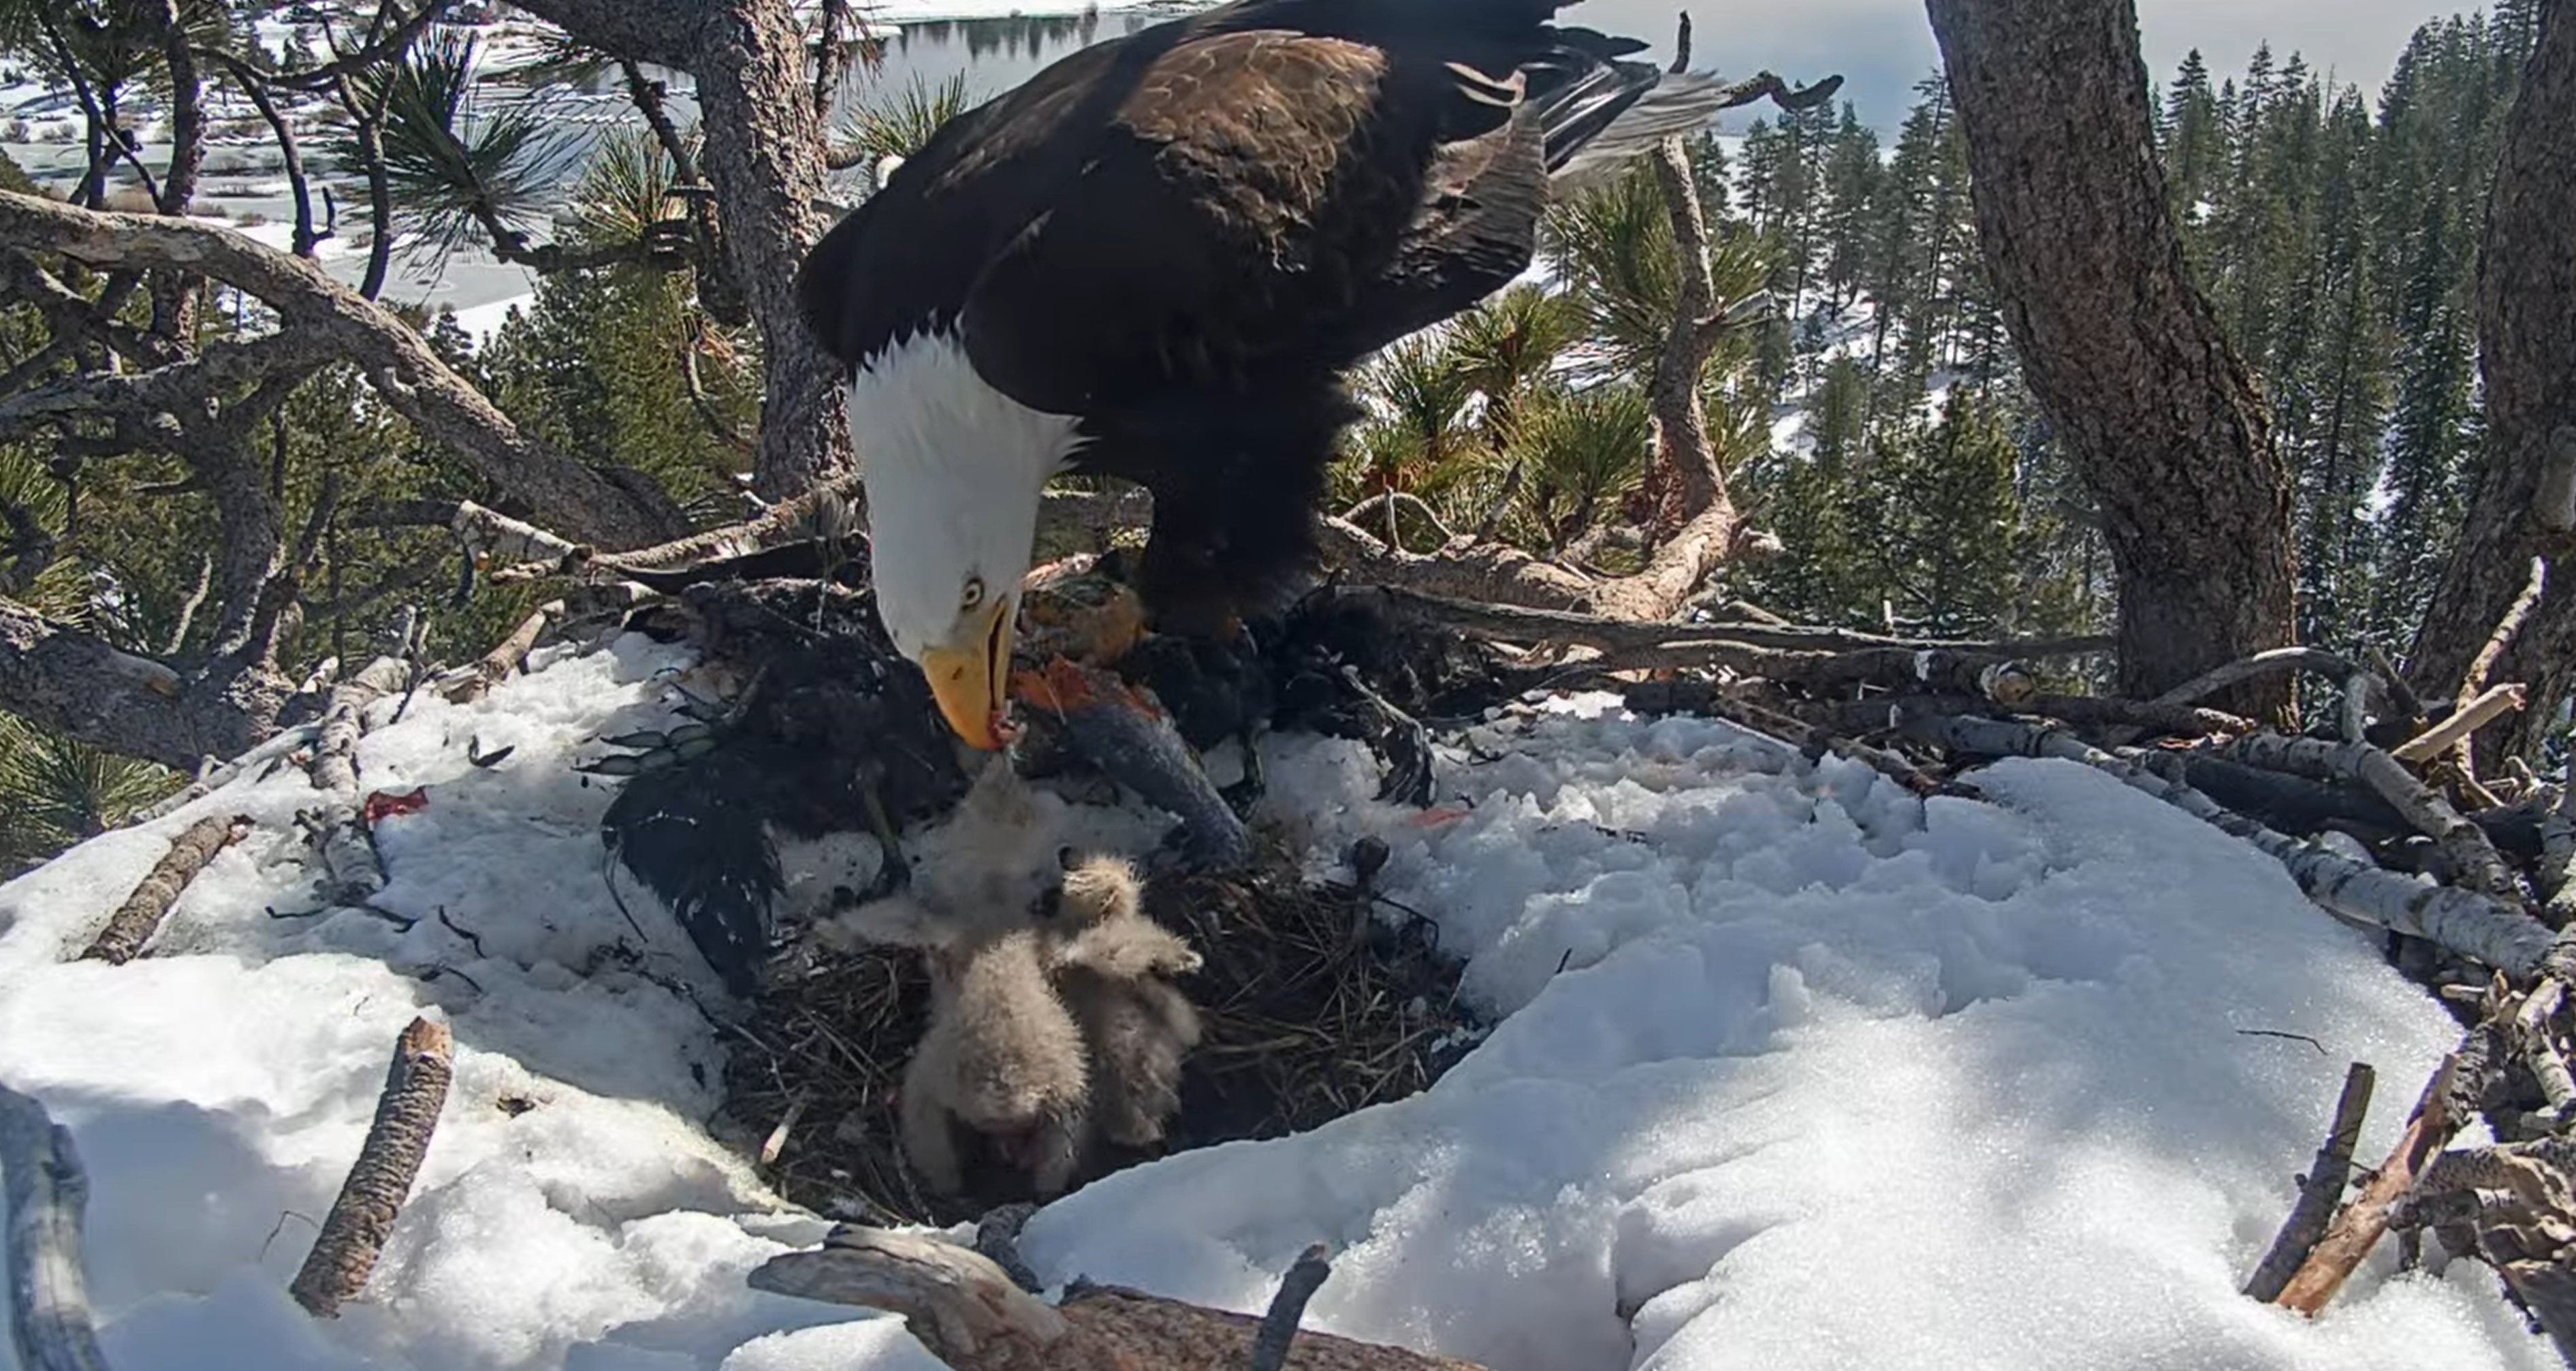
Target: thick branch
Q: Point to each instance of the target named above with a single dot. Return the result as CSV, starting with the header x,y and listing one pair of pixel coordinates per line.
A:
x,y
404,369
80,685
2463,842
965,1309
49,1318
2473,925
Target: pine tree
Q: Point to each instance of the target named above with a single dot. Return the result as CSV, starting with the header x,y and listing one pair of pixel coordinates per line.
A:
x,y
2193,145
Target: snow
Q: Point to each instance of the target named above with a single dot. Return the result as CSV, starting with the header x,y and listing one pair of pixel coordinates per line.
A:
x,y
1792,1070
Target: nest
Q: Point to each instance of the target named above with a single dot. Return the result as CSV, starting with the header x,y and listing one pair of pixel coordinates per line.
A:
x,y
1318,1000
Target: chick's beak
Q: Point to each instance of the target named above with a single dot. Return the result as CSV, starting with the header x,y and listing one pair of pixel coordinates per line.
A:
x,y
968,674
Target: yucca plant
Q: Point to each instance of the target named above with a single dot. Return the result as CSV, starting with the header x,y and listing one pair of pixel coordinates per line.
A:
x,y
55,792
897,122
1579,452
1506,346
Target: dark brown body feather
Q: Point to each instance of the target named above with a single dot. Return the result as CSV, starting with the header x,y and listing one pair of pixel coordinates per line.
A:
x,y
1186,235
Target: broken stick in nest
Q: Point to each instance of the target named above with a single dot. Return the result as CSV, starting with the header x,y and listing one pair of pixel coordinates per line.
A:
x,y
2439,1113
2518,1202
134,922
969,1314
354,1232
49,1316
2319,1191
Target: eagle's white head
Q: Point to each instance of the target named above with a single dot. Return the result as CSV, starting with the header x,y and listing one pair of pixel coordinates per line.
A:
x,y
954,472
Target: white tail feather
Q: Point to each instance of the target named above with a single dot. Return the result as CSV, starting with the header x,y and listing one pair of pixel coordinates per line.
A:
x,y
1682,102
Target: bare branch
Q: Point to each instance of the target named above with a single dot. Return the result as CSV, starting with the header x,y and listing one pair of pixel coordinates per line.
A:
x,y
383,46
2475,926
2463,842
2462,723
49,1317
134,922
2319,1191
404,369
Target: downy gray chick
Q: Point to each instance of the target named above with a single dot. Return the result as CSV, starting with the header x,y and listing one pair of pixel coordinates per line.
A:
x,y
1112,963
1002,1055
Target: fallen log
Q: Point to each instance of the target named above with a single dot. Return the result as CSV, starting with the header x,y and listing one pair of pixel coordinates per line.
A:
x,y
49,1317
134,922
354,1232
969,1314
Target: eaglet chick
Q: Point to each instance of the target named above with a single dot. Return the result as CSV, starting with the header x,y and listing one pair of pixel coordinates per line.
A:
x,y
1002,1056
1112,961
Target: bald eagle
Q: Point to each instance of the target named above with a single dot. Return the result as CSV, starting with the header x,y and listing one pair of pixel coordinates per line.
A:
x,y
1156,260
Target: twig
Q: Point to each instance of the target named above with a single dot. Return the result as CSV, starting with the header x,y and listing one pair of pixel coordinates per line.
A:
x,y
2463,842
1391,500
2515,615
354,1232
2358,1228
2319,1190
2354,681
1287,1307
2473,714
133,923
2533,1043
2475,926
49,1316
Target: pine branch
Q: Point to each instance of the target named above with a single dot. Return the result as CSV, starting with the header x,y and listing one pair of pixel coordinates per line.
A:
x,y
411,377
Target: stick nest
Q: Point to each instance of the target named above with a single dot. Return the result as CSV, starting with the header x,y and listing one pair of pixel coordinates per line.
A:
x,y
1318,1000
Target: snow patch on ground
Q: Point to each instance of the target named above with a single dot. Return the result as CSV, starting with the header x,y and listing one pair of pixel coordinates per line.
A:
x,y
1796,1071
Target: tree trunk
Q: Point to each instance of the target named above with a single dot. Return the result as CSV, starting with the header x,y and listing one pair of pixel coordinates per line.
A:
x,y
2121,349
764,161
2524,500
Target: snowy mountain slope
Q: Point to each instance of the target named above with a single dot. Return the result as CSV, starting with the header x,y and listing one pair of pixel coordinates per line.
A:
x,y
1830,1077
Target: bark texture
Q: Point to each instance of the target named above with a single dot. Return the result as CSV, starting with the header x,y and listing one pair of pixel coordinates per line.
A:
x,y
83,687
764,162
354,1232
2523,504
2121,349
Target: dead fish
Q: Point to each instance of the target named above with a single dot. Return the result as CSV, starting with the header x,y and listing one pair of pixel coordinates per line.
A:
x,y
1133,742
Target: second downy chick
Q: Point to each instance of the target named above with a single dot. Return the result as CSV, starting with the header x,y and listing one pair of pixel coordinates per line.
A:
x,y
1112,963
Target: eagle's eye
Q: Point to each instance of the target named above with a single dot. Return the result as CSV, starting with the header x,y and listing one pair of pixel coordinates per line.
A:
x,y
974,592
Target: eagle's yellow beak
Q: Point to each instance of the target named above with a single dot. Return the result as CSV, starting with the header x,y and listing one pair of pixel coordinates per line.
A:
x,y
968,675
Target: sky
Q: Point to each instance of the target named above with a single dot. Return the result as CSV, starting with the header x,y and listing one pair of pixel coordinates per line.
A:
x,y
1881,47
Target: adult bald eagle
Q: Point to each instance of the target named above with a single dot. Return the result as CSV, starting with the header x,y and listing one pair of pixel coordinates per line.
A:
x,y
1156,259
